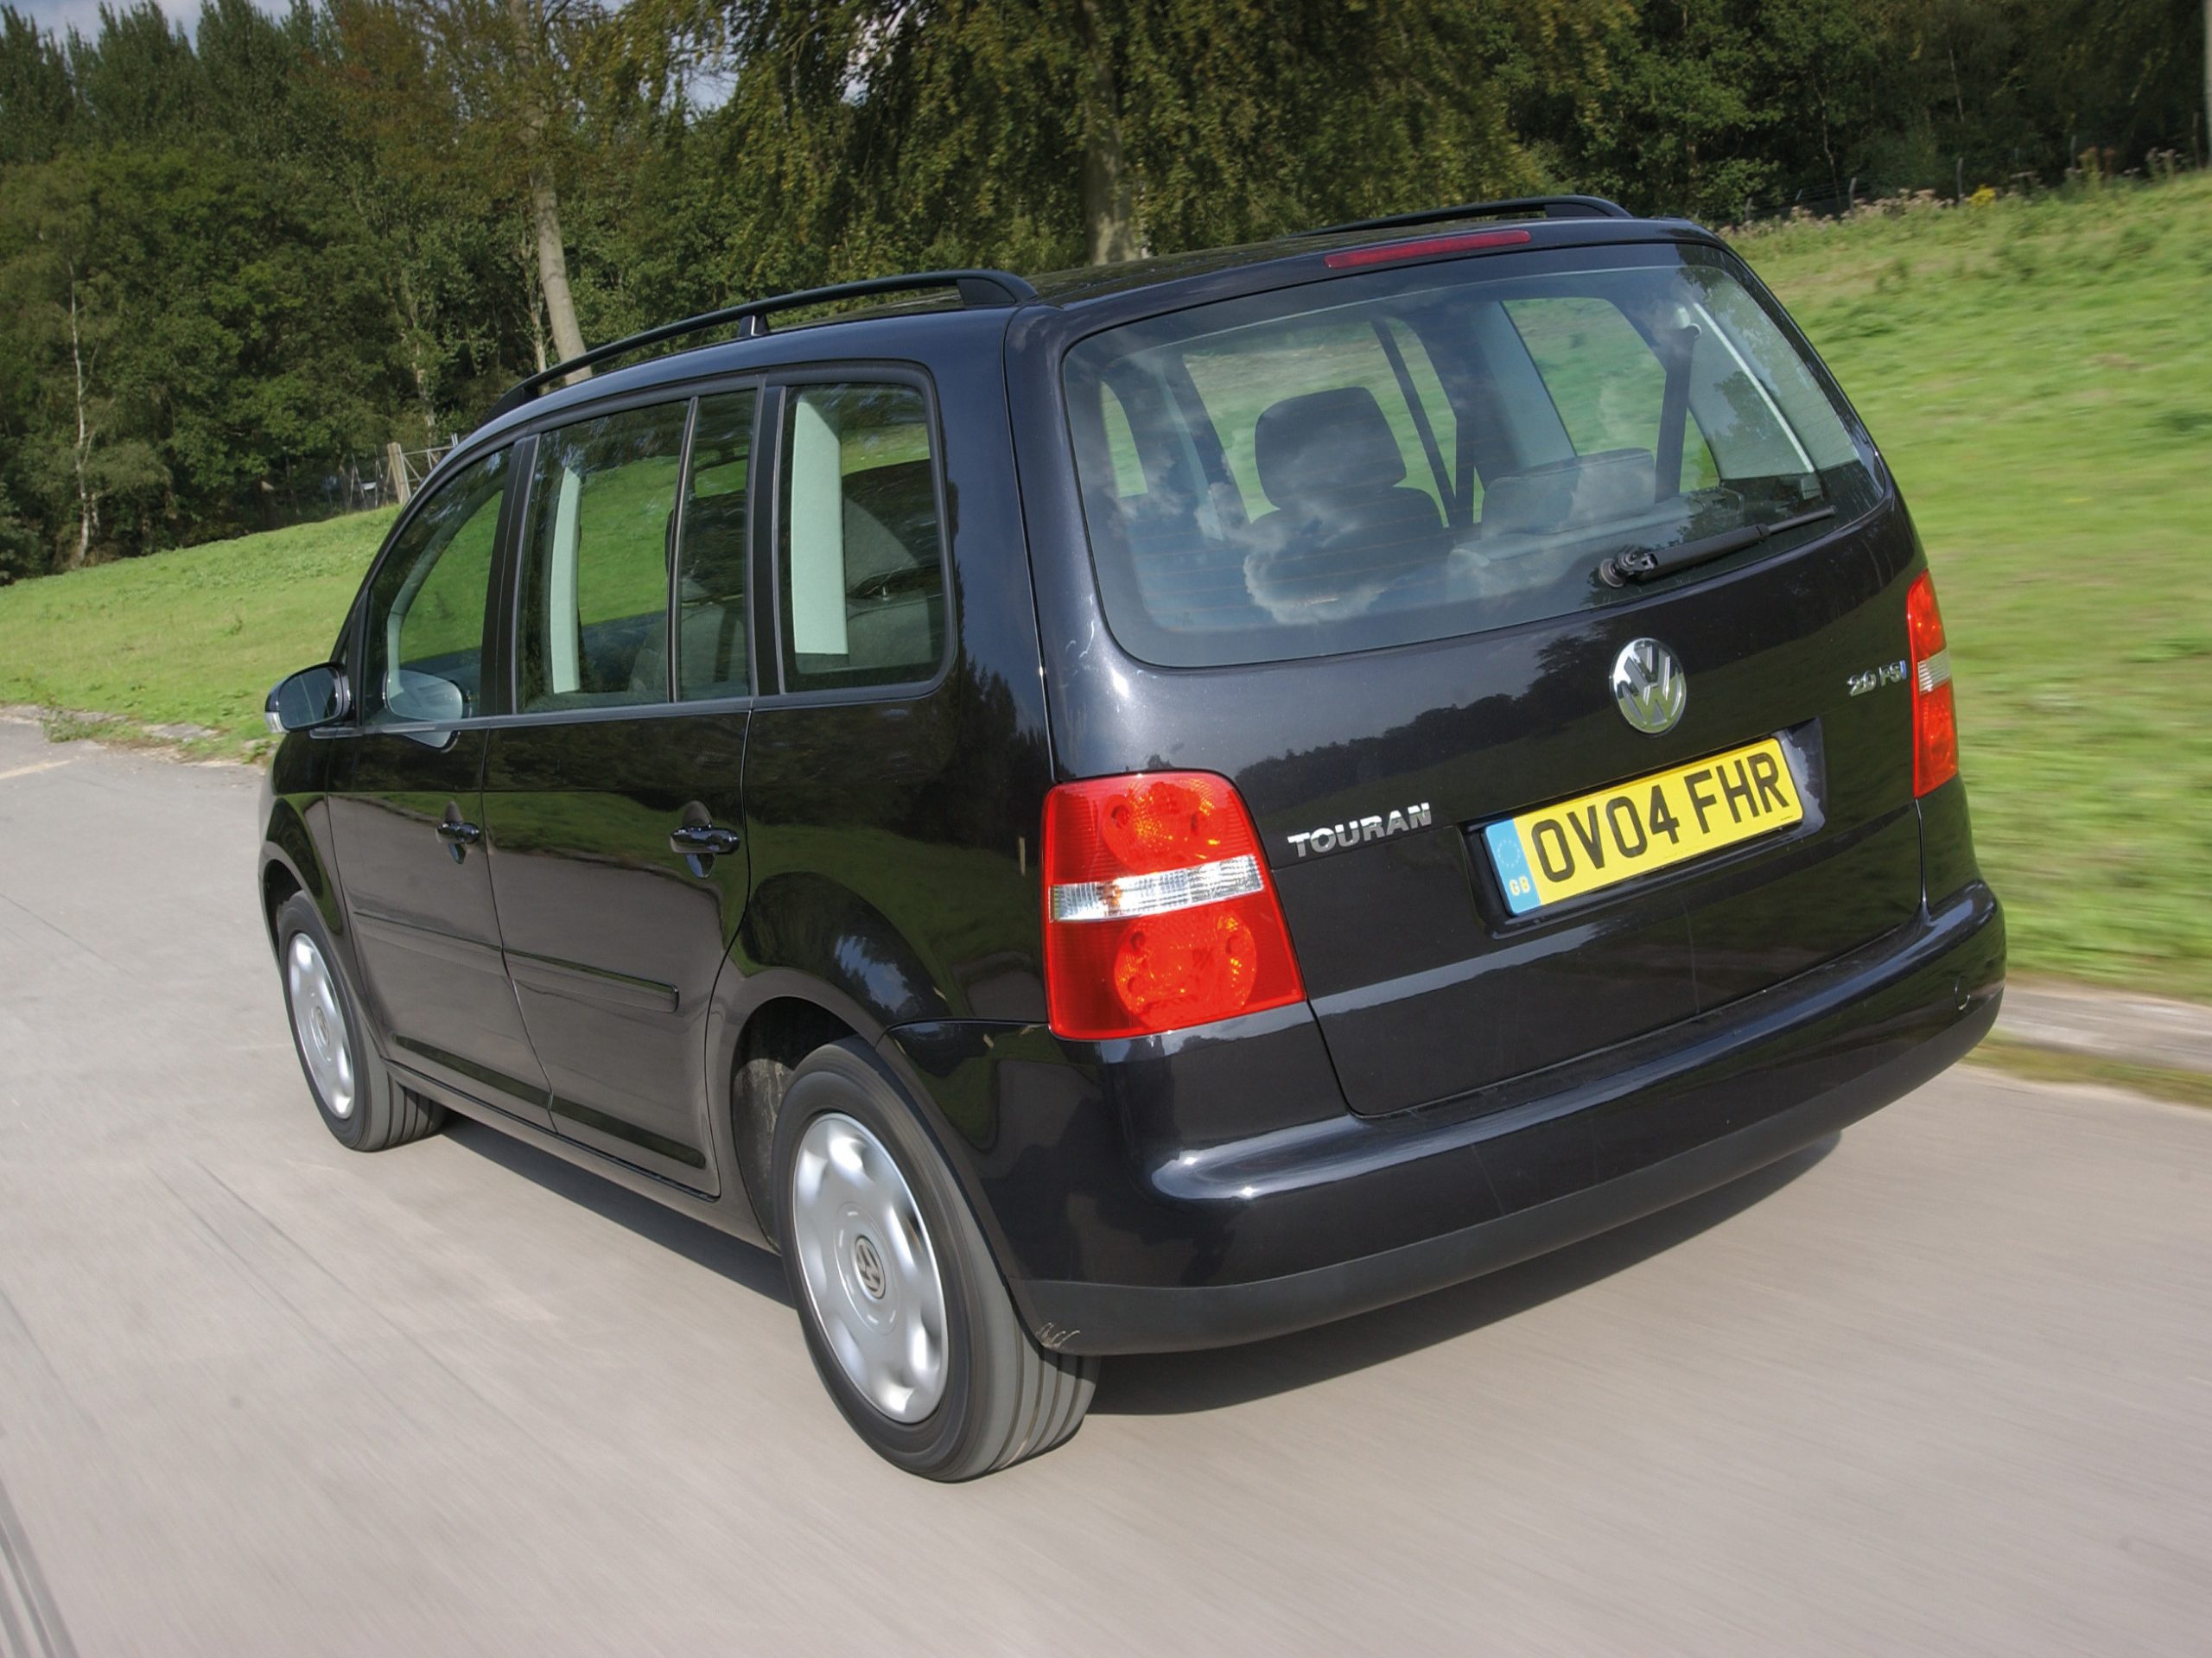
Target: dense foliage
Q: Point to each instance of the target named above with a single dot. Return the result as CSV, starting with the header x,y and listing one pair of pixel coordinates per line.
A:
x,y
234,258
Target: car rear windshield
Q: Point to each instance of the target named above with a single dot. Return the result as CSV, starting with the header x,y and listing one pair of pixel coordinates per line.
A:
x,y
1414,454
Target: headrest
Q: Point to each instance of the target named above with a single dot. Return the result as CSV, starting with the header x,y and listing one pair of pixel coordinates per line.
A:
x,y
1333,442
1568,494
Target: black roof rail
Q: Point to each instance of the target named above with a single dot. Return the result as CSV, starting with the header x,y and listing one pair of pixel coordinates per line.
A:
x,y
976,288
1549,207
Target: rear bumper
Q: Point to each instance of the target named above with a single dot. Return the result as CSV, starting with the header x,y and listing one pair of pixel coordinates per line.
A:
x,y
1119,1235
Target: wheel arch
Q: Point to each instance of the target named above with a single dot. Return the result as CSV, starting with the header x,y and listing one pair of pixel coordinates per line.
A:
x,y
291,862
767,1020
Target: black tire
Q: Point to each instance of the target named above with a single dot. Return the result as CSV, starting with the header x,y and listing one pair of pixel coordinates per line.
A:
x,y
1004,1397
378,1113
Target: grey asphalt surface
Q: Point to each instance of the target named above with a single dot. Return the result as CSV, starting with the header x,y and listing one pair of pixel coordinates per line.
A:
x,y
1944,1385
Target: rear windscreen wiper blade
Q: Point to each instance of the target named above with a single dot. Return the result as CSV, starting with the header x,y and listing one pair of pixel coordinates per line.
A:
x,y
1649,563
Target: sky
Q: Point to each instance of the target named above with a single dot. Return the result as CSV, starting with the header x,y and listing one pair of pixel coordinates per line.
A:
x,y
85,15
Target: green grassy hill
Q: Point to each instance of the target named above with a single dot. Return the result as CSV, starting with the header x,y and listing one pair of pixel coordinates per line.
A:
x,y
194,636
2039,374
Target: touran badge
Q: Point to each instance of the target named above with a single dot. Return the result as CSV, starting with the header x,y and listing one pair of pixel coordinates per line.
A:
x,y
1649,686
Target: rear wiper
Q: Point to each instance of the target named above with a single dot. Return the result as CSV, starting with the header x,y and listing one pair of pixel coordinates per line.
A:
x,y
1649,563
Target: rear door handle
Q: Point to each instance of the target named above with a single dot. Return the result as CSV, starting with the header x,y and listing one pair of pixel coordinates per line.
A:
x,y
704,840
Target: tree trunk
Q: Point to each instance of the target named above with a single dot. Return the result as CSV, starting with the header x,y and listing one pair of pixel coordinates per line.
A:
x,y
410,316
553,268
544,205
1109,208
88,500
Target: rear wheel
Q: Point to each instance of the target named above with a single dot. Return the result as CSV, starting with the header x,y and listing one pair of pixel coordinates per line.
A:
x,y
361,1105
905,1312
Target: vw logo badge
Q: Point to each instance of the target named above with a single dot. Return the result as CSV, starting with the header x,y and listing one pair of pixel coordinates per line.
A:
x,y
1649,686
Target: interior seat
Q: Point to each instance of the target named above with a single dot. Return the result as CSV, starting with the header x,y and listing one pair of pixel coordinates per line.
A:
x,y
1344,527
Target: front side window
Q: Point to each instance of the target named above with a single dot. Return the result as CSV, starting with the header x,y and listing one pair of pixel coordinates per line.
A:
x,y
427,605
861,566
1418,453
597,553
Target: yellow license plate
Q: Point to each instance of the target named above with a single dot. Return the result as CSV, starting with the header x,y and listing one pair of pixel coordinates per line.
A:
x,y
1578,846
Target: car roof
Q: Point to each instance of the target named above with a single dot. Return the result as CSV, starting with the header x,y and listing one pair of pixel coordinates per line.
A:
x,y
908,310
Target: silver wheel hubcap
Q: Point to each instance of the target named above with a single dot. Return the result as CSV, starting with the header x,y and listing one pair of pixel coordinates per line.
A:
x,y
318,1021
870,1273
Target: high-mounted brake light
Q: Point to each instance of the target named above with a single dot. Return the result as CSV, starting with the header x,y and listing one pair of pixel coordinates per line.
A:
x,y
1421,248
1935,716
1159,910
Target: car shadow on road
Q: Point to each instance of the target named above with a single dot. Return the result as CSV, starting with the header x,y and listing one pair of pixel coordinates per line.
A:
x,y
740,1262
1167,1384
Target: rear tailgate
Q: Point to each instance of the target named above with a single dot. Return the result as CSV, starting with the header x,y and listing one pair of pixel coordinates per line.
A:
x,y
1427,984
1372,546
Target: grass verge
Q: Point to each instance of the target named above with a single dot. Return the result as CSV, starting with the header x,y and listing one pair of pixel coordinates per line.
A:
x,y
2064,1065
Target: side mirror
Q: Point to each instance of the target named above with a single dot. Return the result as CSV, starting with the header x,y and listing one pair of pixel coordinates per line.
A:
x,y
311,697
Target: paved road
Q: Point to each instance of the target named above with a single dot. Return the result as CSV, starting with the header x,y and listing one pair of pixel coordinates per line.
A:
x,y
1944,1386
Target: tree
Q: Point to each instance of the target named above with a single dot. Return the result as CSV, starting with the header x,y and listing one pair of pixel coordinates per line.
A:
x,y
36,100
515,63
78,455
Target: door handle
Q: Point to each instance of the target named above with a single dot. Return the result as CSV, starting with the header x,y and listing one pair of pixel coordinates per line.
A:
x,y
458,836
704,840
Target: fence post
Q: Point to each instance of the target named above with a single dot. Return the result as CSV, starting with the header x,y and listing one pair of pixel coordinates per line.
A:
x,y
397,462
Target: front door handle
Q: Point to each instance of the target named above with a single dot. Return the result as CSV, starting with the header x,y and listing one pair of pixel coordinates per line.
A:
x,y
704,840
458,836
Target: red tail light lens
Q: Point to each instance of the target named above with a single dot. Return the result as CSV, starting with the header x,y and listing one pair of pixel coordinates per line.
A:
x,y
1935,717
1159,910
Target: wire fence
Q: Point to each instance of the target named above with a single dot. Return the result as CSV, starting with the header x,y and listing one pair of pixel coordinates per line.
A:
x,y
361,483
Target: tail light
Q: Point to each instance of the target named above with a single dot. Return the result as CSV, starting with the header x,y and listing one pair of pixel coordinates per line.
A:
x,y
1158,910
1935,718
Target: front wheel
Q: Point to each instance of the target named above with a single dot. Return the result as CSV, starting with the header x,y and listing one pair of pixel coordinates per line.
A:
x,y
905,1312
360,1103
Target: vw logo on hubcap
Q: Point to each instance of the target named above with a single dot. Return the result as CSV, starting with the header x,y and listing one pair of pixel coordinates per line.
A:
x,y
1649,686
868,1266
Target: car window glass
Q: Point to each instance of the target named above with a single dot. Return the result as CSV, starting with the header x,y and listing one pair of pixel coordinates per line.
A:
x,y
1607,383
1406,455
861,563
1122,446
1240,376
713,544
426,608
596,560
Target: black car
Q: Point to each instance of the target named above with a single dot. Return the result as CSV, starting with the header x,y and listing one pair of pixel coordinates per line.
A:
x,y
1150,807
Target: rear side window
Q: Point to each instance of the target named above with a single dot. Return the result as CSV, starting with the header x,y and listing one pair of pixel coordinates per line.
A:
x,y
427,605
1412,455
597,554
861,566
